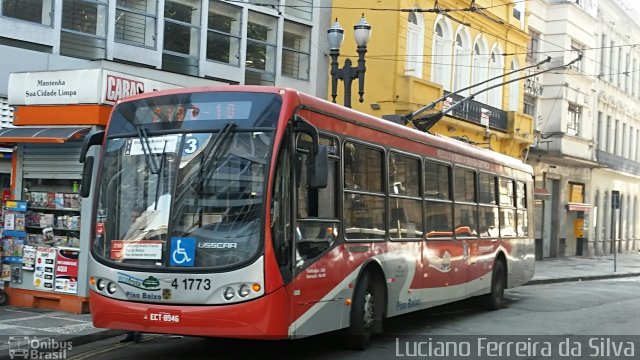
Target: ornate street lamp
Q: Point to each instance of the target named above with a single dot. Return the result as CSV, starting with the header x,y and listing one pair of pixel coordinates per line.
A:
x,y
335,35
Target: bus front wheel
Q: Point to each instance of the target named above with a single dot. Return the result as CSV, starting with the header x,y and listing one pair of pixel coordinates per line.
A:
x,y
495,299
366,312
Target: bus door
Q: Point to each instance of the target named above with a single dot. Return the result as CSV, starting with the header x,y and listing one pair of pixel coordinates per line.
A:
x,y
317,262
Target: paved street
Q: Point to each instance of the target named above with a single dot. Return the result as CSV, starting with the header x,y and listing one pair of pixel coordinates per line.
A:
x,y
551,312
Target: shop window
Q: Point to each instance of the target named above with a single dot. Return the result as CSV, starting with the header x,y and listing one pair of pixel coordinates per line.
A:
x,y
53,212
576,192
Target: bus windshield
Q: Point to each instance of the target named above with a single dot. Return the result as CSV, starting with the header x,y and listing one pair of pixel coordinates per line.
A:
x,y
185,195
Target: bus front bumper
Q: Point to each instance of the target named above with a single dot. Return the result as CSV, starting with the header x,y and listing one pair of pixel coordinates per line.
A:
x,y
263,318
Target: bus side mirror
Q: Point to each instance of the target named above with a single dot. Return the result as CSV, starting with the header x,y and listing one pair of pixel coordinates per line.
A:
x,y
87,171
318,171
96,138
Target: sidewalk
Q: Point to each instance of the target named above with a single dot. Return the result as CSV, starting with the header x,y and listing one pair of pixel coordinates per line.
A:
x,y
579,268
30,323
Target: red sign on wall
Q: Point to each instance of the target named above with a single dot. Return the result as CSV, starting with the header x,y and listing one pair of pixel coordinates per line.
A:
x,y
67,270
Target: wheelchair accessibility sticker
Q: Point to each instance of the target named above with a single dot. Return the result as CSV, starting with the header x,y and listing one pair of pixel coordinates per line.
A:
x,y
183,251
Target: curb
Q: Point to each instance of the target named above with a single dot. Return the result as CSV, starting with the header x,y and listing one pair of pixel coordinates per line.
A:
x,y
580,278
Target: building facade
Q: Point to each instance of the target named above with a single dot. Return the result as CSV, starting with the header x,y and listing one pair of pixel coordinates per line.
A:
x,y
421,50
585,155
562,103
267,42
615,186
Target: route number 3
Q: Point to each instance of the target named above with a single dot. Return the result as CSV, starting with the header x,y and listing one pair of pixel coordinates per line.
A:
x,y
191,145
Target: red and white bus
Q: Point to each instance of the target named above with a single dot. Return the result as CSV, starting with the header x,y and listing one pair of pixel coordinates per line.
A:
x,y
263,212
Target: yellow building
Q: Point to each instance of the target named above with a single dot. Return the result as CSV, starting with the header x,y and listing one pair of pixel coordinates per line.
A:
x,y
415,57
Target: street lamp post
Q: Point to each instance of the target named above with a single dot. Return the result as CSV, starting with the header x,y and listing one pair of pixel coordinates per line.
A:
x,y
348,73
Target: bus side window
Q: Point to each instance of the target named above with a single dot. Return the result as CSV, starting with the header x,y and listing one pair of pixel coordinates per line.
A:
x,y
364,196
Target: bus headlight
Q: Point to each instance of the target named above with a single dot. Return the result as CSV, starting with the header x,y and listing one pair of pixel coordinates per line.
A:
x,y
229,293
111,288
244,290
101,284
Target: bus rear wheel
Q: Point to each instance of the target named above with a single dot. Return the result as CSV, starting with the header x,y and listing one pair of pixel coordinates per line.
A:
x,y
366,312
495,299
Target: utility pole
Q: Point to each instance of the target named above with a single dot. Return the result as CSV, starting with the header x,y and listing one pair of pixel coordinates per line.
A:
x,y
615,207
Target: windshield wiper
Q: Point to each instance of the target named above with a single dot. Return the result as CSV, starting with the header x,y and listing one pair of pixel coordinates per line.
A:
x,y
146,149
161,173
214,148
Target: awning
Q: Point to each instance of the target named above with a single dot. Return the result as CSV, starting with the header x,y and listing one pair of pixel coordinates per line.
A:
x,y
578,207
31,134
541,193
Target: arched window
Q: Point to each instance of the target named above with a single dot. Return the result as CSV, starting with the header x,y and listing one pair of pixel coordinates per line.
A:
x,y
415,44
480,68
514,87
496,68
441,55
462,62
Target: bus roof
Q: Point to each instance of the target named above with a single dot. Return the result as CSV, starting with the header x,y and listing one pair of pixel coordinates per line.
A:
x,y
390,127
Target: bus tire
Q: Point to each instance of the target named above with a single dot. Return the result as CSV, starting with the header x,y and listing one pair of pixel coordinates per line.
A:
x,y
366,312
494,300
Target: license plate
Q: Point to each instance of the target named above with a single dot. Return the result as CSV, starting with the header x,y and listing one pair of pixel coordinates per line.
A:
x,y
164,316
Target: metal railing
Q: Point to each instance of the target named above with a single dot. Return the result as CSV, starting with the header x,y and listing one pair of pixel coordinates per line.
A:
x,y
471,111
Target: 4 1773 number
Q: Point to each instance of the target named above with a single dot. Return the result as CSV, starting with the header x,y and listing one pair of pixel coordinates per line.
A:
x,y
191,284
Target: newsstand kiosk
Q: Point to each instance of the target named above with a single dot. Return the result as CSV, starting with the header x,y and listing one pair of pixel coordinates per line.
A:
x,y
45,242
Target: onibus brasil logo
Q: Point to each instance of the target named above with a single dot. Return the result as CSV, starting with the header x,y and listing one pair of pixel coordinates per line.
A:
x,y
25,347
